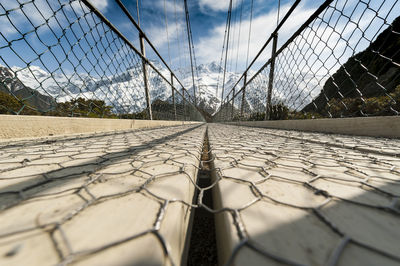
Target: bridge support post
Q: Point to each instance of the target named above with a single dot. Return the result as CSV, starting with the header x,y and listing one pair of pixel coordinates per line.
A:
x,y
145,79
243,95
173,95
226,110
183,103
233,102
268,107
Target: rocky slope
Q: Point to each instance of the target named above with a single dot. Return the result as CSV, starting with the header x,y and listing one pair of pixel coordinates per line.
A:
x,y
371,73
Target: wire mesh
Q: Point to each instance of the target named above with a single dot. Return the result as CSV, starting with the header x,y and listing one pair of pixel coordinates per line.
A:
x,y
343,62
60,58
98,198
297,198
102,198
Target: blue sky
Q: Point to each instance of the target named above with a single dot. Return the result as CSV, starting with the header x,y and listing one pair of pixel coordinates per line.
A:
x,y
208,19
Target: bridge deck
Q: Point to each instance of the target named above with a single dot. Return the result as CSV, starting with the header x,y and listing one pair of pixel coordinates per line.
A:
x,y
126,198
105,199
287,197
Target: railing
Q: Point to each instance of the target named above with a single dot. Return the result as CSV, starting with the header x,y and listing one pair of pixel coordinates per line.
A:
x,y
344,61
64,58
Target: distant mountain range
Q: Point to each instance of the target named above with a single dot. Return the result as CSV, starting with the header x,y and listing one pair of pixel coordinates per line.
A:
x,y
10,85
124,92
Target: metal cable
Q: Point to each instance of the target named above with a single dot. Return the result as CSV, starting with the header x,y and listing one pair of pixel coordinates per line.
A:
x,y
65,58
334,65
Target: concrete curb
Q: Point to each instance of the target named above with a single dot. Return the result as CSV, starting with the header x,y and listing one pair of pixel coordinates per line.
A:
x,y
12,126
379,126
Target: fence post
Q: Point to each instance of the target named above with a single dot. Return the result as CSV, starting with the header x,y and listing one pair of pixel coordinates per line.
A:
x,y
146,82
173,95
227,109
268,107
183,103
243,95
233,102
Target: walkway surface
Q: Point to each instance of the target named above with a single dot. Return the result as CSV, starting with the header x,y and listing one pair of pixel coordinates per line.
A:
x,y
126,198
105,199
292,198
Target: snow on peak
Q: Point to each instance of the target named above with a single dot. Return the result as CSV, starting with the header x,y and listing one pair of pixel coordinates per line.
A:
x,y
127,88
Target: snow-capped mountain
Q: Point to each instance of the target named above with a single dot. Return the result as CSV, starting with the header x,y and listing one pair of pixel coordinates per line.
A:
x,y
125,91
209,75
10,85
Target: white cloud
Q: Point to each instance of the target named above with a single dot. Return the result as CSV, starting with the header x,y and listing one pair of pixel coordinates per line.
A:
x,y
158,36
100,4
170,6
262,27
216,5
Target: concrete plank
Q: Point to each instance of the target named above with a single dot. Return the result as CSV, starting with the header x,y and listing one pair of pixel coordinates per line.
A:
x,y
318,199
118,198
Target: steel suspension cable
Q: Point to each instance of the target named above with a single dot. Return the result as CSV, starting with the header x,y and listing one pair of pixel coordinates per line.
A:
x,y
248,41
194,55
279,9
238,43
137,12
230,58
227,48
222,55
288,13
183,37
177,36
166,29
190,49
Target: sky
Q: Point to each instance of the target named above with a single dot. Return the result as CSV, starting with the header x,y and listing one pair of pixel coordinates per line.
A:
x,y
163,21
208,20
207,17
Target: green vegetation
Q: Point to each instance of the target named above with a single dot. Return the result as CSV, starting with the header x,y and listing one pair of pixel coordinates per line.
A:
x,y
278,112
11,105
347,107
77,107
372,106
83,107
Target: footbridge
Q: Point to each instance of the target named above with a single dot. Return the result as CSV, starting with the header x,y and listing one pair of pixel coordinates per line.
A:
x,y
107,157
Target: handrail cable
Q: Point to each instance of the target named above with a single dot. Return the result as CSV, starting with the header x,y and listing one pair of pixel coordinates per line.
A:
x,y
121,5
294,35
292,8
119,34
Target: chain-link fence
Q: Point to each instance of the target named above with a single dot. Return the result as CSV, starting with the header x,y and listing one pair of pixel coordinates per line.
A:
x,y
64,58
344,61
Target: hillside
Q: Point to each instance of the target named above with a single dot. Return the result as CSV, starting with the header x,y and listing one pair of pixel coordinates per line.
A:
x,y
123,92
365,72
20,94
